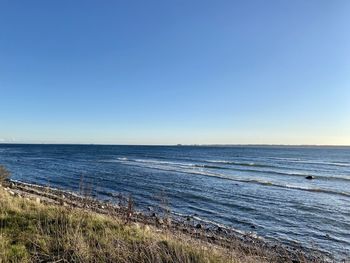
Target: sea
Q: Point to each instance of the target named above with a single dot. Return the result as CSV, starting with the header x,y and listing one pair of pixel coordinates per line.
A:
x,y
254,189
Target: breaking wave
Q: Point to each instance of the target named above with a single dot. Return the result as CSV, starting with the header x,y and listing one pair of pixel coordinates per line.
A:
x,y
185,168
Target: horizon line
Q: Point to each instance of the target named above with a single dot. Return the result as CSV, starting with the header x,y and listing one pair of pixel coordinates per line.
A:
x,y
179,144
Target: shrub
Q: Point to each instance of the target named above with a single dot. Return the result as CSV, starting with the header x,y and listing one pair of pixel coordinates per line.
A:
x,y
4,174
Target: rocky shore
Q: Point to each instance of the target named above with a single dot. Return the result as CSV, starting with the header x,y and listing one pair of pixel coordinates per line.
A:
x,y
186,225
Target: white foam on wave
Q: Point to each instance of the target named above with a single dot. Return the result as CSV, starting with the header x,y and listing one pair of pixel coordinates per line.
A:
x,y
323,163
159,165
238,163
232,162
193,168
297,160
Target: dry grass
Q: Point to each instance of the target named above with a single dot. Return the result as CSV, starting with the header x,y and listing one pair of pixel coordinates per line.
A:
x,y
34,232
4,174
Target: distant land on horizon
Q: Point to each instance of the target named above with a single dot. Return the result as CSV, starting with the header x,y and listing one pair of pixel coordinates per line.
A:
x,y
183,145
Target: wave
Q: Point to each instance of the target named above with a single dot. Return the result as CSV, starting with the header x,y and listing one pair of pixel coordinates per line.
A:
x,y
239,163
341,178
210,166
152,161
295,160
317,190
187,165
198,160
206,166
197,165
295,187
325,163
236,179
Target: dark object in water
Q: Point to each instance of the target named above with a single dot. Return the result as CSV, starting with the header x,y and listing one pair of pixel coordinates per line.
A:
x,y
310,177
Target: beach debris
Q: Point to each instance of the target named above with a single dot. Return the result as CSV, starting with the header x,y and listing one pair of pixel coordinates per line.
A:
x,y
310,177
11,192
37,200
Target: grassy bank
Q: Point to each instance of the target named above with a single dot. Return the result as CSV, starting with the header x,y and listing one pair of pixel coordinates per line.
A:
x,y
34,232
43,224
55,231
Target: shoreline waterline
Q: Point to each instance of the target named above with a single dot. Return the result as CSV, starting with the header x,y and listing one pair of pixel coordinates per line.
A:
x,y
195,227
251,189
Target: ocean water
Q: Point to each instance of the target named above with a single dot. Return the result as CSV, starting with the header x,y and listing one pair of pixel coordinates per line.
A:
x,y
252,189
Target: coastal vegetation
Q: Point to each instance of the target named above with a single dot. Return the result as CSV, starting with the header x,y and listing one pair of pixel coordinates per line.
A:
x,y
34,232
4,174
42,224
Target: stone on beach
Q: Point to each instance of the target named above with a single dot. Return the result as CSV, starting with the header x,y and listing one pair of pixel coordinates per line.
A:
x,y
168,221
160,221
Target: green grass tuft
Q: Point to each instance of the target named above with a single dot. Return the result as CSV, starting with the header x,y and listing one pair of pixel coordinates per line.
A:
x,y
32,232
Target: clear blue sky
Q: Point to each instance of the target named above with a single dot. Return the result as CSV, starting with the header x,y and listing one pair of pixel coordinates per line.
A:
x,y
164,72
